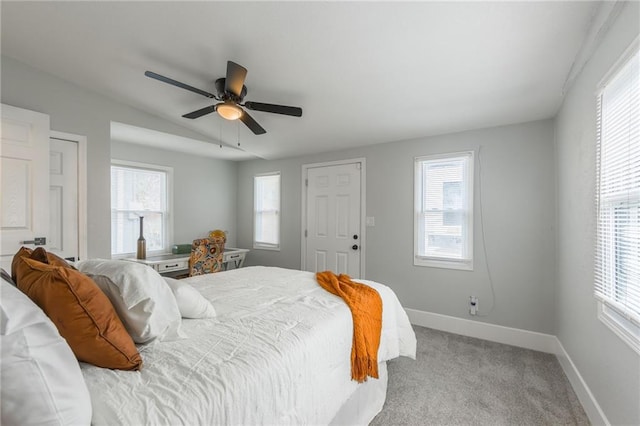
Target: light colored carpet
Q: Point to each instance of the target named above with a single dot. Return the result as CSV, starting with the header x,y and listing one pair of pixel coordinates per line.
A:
x,y
459,380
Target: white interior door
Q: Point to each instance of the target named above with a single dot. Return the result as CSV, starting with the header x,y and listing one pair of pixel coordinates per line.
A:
x,y
333,219
63,190
24,180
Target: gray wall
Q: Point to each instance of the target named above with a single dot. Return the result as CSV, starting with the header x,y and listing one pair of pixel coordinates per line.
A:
x,y
76,110
204,195
610,368
519,208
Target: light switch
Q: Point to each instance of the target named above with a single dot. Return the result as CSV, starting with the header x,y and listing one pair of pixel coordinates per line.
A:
x,y
371,221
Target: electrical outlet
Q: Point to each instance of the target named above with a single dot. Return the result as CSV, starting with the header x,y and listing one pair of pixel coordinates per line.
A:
x,y
473,305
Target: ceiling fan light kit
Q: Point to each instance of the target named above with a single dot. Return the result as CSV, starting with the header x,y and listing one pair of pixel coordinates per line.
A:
x,y
231,92
229,111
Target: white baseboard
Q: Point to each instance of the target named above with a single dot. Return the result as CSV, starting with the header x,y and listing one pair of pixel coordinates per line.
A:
x,y
521,338
481,330
588,401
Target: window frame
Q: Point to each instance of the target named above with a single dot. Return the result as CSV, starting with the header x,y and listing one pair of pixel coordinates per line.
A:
x,y
262,245
465,264
168,220
610,313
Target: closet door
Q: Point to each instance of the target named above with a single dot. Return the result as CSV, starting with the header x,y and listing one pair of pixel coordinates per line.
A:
x,y
63,210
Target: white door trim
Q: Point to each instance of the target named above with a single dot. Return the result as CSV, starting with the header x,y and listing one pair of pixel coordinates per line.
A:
x,y
363,208
82,187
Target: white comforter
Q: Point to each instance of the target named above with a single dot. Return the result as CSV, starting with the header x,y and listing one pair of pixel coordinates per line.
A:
x,y
277,353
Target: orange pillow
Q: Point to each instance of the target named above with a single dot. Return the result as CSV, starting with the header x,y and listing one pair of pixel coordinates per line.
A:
x,y
24,251
82,313
41,255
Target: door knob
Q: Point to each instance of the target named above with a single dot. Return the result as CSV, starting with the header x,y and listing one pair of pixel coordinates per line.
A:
x,y
355,237
38,241
355,247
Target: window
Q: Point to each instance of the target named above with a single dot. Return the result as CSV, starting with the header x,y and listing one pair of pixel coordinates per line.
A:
x,y
266,206
444,211
617,265
140,190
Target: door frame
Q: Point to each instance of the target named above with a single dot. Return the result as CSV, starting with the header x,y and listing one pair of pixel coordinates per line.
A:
x,y
363,208
82,186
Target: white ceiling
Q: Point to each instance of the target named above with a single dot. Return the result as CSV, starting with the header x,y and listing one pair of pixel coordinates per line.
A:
x,y
363,72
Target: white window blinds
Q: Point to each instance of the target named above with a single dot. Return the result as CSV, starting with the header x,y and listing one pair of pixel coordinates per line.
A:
x,y
267,211
444,211
139,190
617,264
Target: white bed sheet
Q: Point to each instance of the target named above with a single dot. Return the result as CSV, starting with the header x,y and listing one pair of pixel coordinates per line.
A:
x,y
277,353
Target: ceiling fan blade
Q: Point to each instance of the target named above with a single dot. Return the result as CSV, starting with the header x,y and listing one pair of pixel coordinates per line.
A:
x,y
235,78
201,112
178,84
252,124
277,109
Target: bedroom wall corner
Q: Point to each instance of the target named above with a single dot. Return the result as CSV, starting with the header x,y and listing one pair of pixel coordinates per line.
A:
x,y
204,190
609,369
76,110
69,111
519,207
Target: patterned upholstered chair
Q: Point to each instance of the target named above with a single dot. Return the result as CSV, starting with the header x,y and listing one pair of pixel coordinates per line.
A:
x,y
206,256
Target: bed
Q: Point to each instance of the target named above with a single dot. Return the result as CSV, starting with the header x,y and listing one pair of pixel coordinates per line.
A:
x,y
276,352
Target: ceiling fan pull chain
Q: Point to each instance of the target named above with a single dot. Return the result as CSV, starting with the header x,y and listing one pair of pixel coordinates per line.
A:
x,y
220,132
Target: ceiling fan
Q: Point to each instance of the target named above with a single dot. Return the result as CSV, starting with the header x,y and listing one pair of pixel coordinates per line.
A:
x,y
231,92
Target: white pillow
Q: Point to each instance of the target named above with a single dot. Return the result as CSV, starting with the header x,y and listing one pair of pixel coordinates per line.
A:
x,y
40,376
142,299
191,303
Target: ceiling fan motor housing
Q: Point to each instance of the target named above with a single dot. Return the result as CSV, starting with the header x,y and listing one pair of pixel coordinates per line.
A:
x,y
228,96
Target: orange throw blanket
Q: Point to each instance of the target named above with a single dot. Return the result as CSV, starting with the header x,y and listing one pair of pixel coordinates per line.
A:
x,y
366,309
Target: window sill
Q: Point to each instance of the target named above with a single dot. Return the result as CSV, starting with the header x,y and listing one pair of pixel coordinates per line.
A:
x,y
256,247
622,327
444,264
